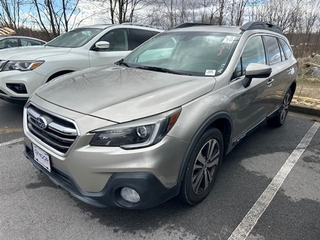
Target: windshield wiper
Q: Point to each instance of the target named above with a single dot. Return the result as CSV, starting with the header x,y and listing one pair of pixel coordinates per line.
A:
x,y
159,69
121,62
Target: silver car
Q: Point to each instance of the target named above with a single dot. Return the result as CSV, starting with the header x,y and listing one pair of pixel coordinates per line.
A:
x,y
19,41
158,123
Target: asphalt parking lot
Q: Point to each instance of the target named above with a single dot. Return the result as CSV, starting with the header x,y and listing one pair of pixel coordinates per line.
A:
x,y
268,188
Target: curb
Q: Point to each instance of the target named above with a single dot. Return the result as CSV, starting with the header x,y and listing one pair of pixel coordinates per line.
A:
x,y
305,110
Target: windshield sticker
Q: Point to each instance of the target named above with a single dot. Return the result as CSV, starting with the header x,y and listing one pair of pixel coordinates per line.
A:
x,y
228,39
210,72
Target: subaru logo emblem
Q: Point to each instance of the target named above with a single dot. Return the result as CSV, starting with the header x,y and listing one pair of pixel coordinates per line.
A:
x,y
42,122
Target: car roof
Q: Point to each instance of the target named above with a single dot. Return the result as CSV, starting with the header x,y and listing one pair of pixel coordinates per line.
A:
x,y
134,25
101,26
262,26
209,28
25,37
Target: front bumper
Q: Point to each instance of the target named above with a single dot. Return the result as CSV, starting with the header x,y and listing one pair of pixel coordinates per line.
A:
x,y
15,100
30,79
151,190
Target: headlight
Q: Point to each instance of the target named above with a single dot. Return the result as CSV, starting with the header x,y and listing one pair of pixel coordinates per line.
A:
x,y
2,63
22,65
137,134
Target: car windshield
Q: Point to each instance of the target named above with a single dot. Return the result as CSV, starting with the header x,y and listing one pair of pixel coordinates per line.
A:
x,y
75,38
187,53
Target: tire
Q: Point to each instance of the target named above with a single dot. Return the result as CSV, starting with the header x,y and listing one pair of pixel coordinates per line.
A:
x,y
202,168
279,119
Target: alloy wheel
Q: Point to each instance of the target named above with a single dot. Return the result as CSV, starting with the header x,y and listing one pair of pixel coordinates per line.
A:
x,y
285,107
205,166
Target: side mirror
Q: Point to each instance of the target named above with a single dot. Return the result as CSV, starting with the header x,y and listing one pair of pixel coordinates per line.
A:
x,y
102,45
256,70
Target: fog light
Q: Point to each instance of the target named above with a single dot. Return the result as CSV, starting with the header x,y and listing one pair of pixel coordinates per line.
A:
x,y
17,87
130,195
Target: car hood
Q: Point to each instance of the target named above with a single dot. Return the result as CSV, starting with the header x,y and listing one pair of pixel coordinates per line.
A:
x,y
123,94
31,53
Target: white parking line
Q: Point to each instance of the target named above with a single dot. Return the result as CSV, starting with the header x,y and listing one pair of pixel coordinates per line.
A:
x,y
11,142
252,217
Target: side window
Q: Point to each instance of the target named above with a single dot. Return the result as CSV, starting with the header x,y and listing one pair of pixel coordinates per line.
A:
x,y
283,58
118,39
273,50
30,42
139,36
252,53
1,44
286,48
12,42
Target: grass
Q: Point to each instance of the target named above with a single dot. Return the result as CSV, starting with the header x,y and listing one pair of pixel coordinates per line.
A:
x,y
307,86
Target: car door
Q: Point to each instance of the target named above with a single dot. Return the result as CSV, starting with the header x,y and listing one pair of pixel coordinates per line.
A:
x,y
249,105
281,71
119,48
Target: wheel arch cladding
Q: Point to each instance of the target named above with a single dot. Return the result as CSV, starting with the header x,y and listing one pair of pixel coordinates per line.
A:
x,y
293,87
220,121
57,74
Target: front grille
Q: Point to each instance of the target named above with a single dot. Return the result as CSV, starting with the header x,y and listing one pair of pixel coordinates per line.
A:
x,y
56,132
2,92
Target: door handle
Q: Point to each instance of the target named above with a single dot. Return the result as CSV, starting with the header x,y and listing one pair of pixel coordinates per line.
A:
x,y
289,70
270,81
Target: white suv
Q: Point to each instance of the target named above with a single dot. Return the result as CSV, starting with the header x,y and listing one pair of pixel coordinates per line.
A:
x,y
23,70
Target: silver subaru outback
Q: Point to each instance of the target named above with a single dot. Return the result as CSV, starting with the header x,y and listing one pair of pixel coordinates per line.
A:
x,y
158,123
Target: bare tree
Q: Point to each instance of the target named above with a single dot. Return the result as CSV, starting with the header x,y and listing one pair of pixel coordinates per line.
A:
x,y
300,19
169,13
55,17
279,12
215,12
221,11
240,6
171,10
121,11
10,13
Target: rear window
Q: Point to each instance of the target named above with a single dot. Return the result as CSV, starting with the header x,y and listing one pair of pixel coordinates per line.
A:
x,y
286,48
273,50
139,36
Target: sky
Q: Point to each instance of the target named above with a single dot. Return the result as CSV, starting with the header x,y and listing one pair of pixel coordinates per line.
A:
x,y
95,12
92,13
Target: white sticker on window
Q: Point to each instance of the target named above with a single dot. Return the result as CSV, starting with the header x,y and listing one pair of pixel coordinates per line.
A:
x,y
228,39
210,72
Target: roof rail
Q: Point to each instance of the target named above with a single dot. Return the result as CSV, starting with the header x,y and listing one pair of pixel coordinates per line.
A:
x,y
261,25
189,24
141,25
